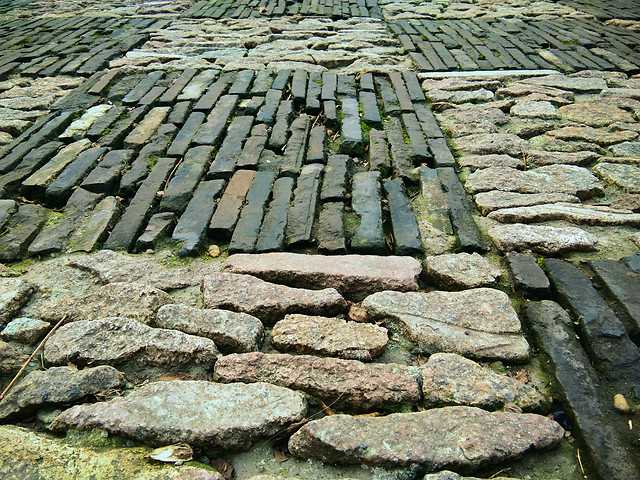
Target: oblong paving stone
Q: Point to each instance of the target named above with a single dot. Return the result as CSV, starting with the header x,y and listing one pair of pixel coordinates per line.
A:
x,y
518,237
267,301
231,331
495,200
134,348
479,323
343,384
136,301
332,337
199,413
448,475
569,179
457,438
354,276
573,213
462,270
492,143
625,176
57,386
449,379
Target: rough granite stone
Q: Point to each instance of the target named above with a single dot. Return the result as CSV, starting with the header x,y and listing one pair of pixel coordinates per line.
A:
x,y
136,301
343,384
449,379
267,301
25,330
623,175
199,413
332,337
461,270
57,386
231,331
480,323
496,199
130,346
572,213
14,294
519,237
492,143
354,276
459,438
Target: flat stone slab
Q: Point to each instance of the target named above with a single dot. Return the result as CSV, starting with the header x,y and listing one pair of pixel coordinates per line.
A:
x,y
458,438
130,346
42,454
449,379
25,330
518,237
495,200
111,267
493,143
528,276
14,294
267,301
479,323
623,175
461,270
354,276
343,384
231,331
492,160
57,386
136,301
163,413
332,337
448,475
572,213
568,179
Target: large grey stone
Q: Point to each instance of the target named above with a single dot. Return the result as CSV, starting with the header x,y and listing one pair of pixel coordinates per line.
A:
x,y
480,323
623,175
519,237
354,276
459,438
572,213
461,270
25,330
496,199
14,294
493,143
136,301
569,179
137,349
199,413
57,386
48,458
113,267
449,379
343,384
231,331
331,337
267,301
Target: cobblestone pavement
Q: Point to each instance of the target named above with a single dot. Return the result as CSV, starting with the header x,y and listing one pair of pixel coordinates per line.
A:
x,y
357,239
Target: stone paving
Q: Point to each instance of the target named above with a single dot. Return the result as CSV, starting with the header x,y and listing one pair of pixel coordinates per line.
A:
x,y
320,239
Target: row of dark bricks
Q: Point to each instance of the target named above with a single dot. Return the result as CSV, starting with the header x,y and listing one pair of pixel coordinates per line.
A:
x,y
8,5
593,351
79,45
169,131
335,9
486,44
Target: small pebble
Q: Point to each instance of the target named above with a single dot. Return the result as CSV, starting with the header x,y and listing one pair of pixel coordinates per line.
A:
x,y
620,403
214,251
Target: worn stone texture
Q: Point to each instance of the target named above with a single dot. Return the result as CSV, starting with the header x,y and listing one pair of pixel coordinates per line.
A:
x,y
199,413
494,200
25,330
354,276
449,379
458,438
131,346
519,237
136,301
572,213
57,386
267,301
231,331
493,143
461,270
111,267
343,384
568,179
480,323
48,458
622,175
14,294
333,337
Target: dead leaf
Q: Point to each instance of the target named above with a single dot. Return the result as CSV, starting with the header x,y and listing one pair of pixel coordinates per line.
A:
x,y
178,453
223,467
358,314
280,456
523,376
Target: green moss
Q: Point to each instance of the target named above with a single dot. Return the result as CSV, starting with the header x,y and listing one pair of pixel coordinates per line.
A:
x,y
541,264
95,438
105,132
